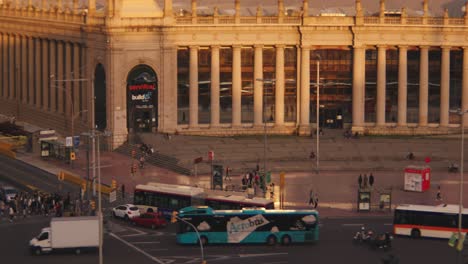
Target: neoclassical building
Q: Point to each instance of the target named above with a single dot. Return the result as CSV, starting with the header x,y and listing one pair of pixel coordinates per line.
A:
x,y
145,66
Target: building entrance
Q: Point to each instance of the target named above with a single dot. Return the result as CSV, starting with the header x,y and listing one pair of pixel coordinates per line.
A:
x,y
142,100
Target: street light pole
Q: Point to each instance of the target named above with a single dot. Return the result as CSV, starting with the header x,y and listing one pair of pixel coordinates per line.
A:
x,y
318,112
272,81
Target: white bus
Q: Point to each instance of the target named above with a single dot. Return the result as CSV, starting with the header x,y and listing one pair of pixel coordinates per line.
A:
x,y
428,221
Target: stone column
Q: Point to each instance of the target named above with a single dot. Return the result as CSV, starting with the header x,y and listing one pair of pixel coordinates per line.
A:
x,y
402,85
31,83
12,66
53,72
305,87
258,85
5,67
91,6
359,79
381,85
17,69
279,93
423,85
75,76
67,77
236,86
465,85
215,107
45,74
445,87
193,90
59,88
38,79
24,69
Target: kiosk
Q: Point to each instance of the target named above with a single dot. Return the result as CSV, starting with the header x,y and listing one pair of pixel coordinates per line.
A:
x,y
417,178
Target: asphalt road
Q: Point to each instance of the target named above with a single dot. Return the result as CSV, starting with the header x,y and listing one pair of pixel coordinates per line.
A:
x,y
127,244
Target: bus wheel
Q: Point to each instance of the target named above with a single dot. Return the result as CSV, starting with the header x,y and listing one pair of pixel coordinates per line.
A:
x,y
271,240
415,233
203,240
77,251
37,251
286,240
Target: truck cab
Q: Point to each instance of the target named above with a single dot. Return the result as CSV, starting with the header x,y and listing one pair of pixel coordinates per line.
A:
x,y
41,243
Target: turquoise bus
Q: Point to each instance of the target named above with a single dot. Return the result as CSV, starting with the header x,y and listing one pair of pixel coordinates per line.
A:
x,y
249,225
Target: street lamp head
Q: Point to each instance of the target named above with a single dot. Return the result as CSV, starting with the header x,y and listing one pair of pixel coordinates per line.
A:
x,y
318,56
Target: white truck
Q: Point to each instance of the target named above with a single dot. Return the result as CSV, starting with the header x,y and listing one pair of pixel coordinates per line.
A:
x,y
67,233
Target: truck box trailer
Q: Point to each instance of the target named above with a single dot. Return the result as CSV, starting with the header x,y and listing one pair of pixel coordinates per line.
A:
x,y
67,233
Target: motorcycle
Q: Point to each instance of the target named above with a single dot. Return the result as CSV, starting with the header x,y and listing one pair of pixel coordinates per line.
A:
x,y
363,236
382,241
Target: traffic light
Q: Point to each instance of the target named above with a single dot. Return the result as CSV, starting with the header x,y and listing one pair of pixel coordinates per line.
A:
x,y
72,156
174,216
93,205
133,169
83,186
114,184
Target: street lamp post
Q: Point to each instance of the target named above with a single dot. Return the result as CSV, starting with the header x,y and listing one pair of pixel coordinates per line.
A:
x,y
460,206
318,112
272,82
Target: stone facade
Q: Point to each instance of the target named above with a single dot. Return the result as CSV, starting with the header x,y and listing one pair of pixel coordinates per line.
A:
x,y
50,53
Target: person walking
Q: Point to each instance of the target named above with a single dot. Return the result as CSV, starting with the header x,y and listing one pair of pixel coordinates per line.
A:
x,y
438,195
311,197
316,200
365,181
11,213
371,180
360,181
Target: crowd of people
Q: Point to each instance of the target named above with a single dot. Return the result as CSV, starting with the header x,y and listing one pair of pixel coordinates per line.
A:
x,y
38,203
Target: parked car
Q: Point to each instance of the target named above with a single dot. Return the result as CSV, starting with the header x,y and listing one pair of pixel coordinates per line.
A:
x,y
153,220
9,193
126,211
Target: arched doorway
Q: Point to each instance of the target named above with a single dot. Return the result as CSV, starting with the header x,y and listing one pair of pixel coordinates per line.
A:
x,y
100,114
142,99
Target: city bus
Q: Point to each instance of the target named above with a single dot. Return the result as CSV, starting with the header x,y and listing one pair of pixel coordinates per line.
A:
x,y
428,221
167,198
248,225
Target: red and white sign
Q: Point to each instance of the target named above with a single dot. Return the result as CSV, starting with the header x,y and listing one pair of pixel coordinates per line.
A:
x,y
210,155
417,178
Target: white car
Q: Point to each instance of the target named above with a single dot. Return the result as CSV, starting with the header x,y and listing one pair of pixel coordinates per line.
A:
x,y
126,211
10,193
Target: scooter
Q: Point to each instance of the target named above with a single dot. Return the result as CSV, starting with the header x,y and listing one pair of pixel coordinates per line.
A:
x,y
363,236
382,241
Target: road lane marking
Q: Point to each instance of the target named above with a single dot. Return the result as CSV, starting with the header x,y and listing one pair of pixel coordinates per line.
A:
x,y
146,242
261,255
138,249
388,224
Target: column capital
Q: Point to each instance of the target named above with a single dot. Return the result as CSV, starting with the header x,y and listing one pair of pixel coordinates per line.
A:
x,y
280,46
465,47
305,47
260,46
382,46
236,46
360,46
215,46
424,47
194,47
445,47
402,47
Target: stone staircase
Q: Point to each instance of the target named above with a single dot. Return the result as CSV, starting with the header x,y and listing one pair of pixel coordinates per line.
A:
x,y
156,159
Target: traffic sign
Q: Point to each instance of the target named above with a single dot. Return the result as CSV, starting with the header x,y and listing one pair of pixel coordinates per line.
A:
x,y
68,142
76,141
72,156
112,196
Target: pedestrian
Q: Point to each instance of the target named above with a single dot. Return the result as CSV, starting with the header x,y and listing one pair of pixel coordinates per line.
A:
x,y
315,200
244,182
11,212
365,181
272,190
250,179
311,197
142,161
371,180
360,181
438,196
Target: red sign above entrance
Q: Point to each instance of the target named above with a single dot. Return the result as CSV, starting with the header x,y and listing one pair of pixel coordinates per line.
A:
x,y
143,86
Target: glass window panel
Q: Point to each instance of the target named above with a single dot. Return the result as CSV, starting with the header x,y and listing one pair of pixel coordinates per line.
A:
x,y
434,86
204,86
183,63
290,86
335,87
391,87
371,85
247,100
269,73
413,86
225,85
456,66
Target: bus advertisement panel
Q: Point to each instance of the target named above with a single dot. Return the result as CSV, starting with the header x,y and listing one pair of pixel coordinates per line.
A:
x,y
428,221
255,225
